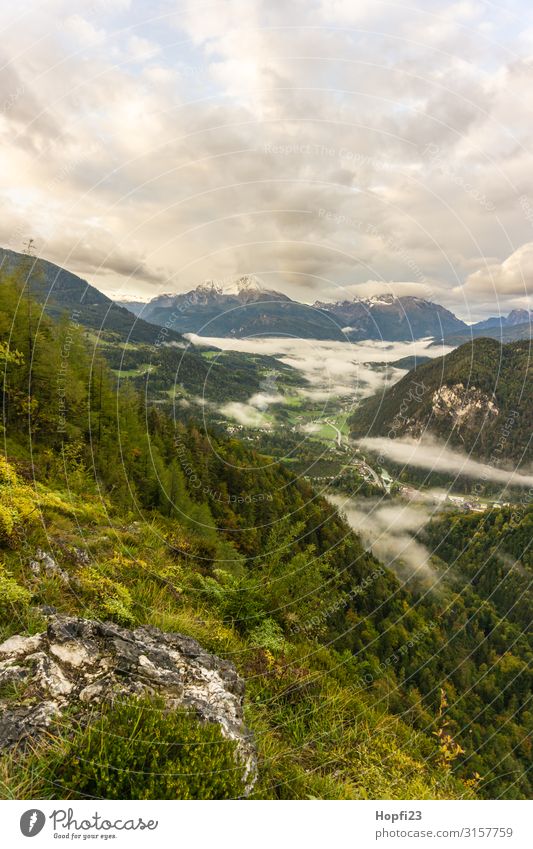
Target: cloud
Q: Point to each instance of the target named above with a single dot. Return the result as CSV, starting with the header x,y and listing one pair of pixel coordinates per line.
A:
x,y
245,414
332,369
511,277
434,456
388,529
208,143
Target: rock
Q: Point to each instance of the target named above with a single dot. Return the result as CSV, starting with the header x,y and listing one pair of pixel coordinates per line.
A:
x,y
79,663
81,556
465,407
44,562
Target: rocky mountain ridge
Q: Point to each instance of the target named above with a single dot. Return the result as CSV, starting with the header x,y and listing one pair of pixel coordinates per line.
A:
x,y
246,308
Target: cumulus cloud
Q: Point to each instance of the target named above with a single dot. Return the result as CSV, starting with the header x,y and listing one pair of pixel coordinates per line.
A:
x,y
511,277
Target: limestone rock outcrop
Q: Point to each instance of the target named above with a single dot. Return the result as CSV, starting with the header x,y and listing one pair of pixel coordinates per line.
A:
x,y
79,663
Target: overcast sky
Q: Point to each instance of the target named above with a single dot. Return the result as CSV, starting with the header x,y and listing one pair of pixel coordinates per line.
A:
x,y
332,147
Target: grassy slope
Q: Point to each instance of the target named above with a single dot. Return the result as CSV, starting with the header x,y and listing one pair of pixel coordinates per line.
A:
x,y
317,733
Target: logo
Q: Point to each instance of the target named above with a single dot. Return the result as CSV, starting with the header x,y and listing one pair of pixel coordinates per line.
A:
x,y
32,822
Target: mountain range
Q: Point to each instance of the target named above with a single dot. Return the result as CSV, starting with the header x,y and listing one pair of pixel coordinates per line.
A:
x,y
247,309
515,317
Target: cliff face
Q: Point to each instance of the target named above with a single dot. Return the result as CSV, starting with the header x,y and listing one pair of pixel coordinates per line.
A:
x,y
78,664
463,407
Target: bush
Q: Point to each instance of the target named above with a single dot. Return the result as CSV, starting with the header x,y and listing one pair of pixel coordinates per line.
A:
x,y
239,600
268,635
13,597
17,504
139,749
107,598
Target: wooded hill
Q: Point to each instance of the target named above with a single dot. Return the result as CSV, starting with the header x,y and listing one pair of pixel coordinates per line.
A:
x,y
464,398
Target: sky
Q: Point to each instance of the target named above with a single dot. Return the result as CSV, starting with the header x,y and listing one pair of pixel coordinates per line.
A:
x,y
333,148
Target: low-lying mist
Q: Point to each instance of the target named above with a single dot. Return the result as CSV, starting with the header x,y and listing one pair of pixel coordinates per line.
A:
x,y
332,369
435,456
388,529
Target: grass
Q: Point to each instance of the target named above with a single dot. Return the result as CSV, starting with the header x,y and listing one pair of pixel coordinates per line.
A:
x,y
317,733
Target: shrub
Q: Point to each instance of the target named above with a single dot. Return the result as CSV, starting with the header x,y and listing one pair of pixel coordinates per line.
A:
x,y
17,503
106,597
239,600
268,635
13,597
139,749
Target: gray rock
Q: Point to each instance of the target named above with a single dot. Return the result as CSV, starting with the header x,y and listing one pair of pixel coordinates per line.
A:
x,y
45,563
81,556
80,663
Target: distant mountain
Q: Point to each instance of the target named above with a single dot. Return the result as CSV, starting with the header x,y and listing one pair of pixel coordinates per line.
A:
x,y
247,309
61,291
465,398
515,317
391,318
503,333
243,309
135,307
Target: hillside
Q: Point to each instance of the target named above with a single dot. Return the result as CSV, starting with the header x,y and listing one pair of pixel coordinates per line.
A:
x,y
464,398
64,293
158,361
356,686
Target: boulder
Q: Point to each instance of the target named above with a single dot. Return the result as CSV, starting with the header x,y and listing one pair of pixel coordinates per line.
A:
x,y
77,664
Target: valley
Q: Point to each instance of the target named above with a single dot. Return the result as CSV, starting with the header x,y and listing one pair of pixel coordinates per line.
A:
x,y
219,488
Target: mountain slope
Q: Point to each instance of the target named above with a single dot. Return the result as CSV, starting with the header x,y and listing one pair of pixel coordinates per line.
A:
x,y
464,397
166,354
63,292
391,318
357,685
